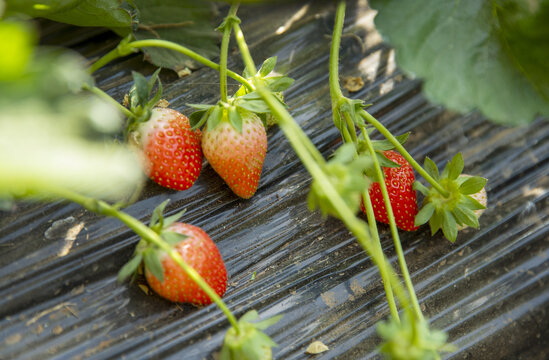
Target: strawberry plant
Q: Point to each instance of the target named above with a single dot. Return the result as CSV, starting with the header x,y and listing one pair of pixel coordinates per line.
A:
x,y
182,264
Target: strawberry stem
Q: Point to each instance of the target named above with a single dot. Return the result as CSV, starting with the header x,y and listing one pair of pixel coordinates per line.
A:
x,y
103,208
226,28
126,48
398,146
350,137
314,163
97,91
392,225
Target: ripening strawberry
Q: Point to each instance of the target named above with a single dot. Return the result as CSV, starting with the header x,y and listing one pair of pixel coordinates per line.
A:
x,y
399,182
237,156
170,150
201,253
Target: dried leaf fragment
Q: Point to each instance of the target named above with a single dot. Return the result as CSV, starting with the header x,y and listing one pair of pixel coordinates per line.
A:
x,y
316,347
353,84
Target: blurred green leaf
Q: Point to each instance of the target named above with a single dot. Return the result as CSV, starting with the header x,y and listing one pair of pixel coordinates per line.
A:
x,y
478,54
115,14
18,40
186,22
54,137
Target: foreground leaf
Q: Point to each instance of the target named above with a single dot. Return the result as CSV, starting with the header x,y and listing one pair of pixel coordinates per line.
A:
x,y
186,22
468,53
114,14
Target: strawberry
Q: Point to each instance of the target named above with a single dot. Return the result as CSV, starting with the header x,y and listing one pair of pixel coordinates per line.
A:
x,y
399,182
164,275
201,253
237,156
170,150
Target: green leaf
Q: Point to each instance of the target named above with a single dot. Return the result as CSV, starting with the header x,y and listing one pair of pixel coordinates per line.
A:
x,y
384,145
129,268
280,84
114,14
455,166
436,222
471,203
249,316
472,185
267,66
198,118
153,264
431,168
235,119
16,50
185,22
385,162
173,238
424,214
173,218
214,118
264,324
449,226
486,55
47,122
420,187
201,106
256,106
157,217
141,89
524,30
466,216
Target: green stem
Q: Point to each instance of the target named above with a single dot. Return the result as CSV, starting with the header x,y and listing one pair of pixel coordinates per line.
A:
x,y
357,227
224,52
349,135
335,90
97,91
398,146
392,225
139,44
104,60
148,234
374,233
298,139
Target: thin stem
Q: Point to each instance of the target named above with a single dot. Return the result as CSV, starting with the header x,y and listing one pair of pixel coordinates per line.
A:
x,y
374,233
358,228
298,139
104,60
335,90
97,91
224,52
139,44
392,225
398,146
148,234
349,135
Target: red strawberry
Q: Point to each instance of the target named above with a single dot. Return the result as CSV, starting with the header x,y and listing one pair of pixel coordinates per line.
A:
x,y
171,150
237,157
399,182
201,253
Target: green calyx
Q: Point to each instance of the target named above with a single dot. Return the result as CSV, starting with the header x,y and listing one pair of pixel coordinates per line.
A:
x,y
149,254
346,173
458,208
412,340
243,101
249,342
142,99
